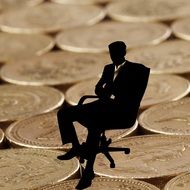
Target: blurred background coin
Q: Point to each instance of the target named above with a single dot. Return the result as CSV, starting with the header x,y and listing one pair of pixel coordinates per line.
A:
x,y
21,46
18,102
2,136
148,10
54,68
168,57
181,28
49,17
97,37
82,2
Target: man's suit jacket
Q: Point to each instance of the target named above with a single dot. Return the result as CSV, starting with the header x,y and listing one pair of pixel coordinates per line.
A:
x,y
127,88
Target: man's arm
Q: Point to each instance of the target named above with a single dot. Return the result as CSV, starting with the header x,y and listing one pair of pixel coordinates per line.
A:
x,y
103,88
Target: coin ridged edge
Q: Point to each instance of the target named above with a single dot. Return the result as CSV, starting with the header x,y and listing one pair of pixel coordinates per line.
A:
x,y
102,179
154,131
169,183
160,136
2,135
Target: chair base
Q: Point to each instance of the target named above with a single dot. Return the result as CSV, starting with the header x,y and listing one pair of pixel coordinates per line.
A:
x,y
105,149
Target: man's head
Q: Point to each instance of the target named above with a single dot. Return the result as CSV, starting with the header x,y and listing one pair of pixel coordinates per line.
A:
x,y
117,51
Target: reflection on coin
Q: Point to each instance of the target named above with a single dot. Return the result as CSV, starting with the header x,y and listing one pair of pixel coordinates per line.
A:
x,y
18,102
7,4
49,17
167,57
17,46
181,182
2,136
33,168
170,118
151,157
104,184
159,10
133,34
163,88
55,68
45,132
181,28
82,2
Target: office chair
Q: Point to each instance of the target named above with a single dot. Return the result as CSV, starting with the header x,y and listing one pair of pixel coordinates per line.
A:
x,y
103,143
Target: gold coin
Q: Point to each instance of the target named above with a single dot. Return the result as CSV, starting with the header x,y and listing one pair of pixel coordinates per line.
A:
x,y
170,118
148,10
2,136
18,102
162,88
54,68
45,132
181,182
82,2
181,28
151,157
133,34
33,168
9,4
168,57
104,184
17,46
49,17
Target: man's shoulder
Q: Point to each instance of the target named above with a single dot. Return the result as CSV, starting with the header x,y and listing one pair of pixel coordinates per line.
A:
x,y
138,65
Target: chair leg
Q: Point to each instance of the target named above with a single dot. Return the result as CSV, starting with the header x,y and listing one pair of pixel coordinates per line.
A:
x,y
108,156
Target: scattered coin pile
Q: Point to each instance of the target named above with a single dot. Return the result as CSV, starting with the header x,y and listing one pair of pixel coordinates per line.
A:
x,y
52,52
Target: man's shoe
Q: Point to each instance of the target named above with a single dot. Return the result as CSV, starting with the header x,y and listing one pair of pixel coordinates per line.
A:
x,y
74,151
86,180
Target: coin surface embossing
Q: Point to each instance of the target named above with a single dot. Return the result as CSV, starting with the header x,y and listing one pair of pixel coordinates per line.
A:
x,y
151,156
33,168
18,102
171,118
104,184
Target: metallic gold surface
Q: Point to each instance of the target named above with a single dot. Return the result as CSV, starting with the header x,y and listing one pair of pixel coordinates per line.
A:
x,y
18,102
181,28
2,136
42,132
55,68
151,157
148,10
170,118
105,184
49,17
133,34
161,88
168,57
17,46
31,169
82,2
181,182
10,4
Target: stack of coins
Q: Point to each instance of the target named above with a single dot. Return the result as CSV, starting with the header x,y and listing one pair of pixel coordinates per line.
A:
x,y
53,52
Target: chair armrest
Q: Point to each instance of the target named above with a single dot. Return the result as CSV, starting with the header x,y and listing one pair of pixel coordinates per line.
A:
x,y
83,98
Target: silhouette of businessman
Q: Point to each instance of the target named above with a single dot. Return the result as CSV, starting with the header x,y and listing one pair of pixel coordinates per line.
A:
x,y
119,92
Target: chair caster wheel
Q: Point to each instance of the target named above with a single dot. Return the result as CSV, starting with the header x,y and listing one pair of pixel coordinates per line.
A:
x,y
112,165
127,151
